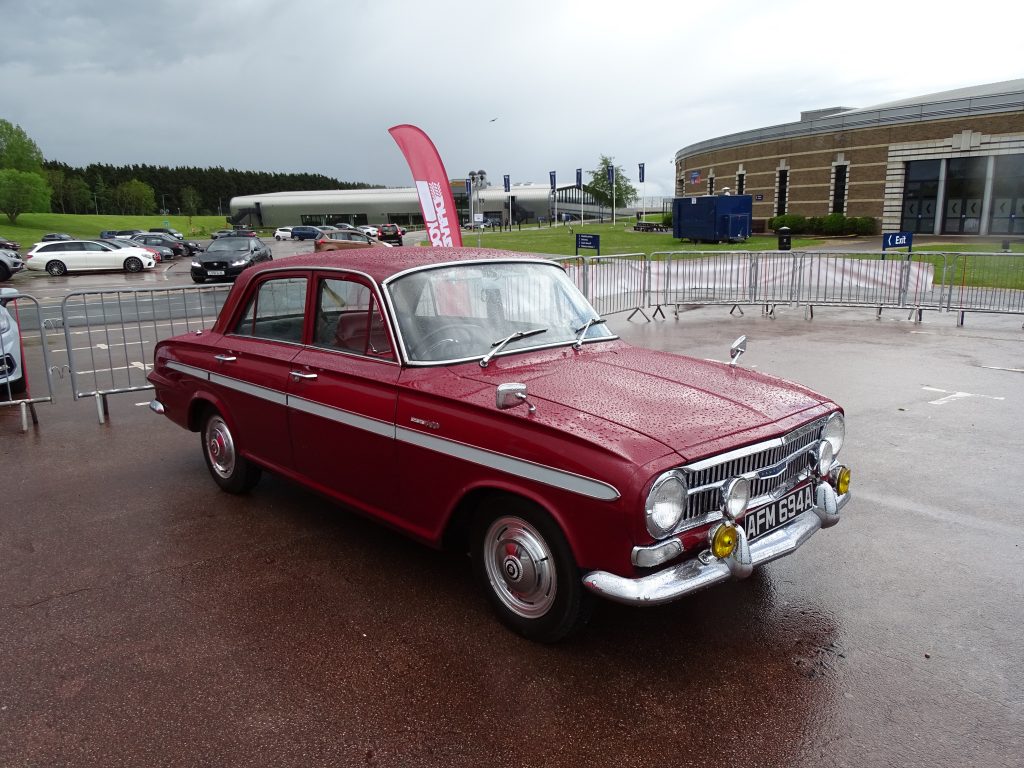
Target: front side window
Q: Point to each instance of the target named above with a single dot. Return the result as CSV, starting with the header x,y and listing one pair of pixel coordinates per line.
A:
x,y
349,319
276,310
464,311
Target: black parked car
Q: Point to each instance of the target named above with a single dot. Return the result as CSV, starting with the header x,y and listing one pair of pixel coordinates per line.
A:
x,y
177,247
306,233
50,237
390,233
9,245
228,256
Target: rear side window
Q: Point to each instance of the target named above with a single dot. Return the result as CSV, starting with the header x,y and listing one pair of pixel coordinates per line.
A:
x,y
276,311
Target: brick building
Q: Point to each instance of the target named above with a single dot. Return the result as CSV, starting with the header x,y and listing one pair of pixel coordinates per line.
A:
x,y
946,163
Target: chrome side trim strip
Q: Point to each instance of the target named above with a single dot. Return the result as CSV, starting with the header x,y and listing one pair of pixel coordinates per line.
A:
x,y
584,486
382,428
540,473
199,373
264,393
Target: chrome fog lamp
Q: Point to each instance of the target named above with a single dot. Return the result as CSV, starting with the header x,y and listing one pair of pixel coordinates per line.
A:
x,y
835,432
820,458
735,497
666,504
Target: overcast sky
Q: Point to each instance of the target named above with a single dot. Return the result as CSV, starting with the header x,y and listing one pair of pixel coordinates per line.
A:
x,y
313,85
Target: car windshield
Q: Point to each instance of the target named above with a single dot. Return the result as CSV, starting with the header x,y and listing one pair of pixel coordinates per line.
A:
x,y
464,311
229,244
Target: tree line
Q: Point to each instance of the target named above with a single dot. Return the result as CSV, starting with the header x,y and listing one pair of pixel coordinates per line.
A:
x,y
30,183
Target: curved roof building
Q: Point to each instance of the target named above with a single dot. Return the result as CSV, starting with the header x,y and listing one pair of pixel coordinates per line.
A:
x,y
945,163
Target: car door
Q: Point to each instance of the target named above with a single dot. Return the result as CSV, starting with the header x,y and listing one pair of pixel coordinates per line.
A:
x,y
101,256
252,374
343,397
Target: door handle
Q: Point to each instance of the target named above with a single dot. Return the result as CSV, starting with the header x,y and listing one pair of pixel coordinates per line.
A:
x,y
301,375
225,358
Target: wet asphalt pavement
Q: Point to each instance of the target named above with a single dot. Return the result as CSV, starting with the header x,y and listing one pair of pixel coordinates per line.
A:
x,y
147,619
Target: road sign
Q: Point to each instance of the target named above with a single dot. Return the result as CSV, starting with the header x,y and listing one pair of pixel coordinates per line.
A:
x,y
588,241
897,240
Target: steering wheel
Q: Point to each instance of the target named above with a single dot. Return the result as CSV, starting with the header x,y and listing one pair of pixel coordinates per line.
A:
x,y
453,334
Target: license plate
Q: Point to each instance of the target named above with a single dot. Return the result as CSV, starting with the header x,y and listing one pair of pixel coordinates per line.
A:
x,y
778,513
215,272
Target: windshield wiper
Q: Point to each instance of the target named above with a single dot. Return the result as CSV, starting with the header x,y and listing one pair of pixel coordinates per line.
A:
x,y
500,343
581,332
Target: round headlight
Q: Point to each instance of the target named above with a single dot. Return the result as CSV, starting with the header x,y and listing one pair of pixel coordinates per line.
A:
x,y
665,504
735,497
835,432
820,458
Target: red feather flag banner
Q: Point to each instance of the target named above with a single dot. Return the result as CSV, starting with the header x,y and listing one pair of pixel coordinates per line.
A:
x,y
432,185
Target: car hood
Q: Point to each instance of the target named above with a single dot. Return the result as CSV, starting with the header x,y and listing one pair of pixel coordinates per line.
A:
x,y
209,255
693,407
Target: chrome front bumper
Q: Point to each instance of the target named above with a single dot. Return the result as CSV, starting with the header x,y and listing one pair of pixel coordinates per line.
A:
x,y
702,571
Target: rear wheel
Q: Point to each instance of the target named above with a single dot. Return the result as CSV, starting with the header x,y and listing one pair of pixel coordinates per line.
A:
x,y
523,561
132,264
56,268
232,472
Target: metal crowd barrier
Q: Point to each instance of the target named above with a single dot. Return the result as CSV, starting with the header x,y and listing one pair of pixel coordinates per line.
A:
x,y
985,282
110,334
13,359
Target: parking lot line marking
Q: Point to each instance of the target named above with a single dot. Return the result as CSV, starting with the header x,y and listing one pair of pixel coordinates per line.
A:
x,y
951,396
1000,368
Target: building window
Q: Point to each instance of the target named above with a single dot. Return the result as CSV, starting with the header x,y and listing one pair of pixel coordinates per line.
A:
x,y
1008,195
920,196
965,189
839,179
741,183
781,195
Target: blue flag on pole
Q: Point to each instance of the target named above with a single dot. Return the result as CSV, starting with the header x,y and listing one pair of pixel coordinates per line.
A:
x,y
641,173
579,178
552,179
611,175
508,184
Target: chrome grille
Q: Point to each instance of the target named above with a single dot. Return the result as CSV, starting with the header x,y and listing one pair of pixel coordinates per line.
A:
x,y
787,459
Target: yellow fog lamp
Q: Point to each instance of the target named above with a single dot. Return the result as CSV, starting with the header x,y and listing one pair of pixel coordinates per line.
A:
x,y
840,478
724,538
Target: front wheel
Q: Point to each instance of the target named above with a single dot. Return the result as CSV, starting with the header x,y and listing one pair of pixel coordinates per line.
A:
x,y
231,471
523,561
132,264
198,279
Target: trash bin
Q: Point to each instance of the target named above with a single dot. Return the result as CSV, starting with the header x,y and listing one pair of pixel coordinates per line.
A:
x,y
785,242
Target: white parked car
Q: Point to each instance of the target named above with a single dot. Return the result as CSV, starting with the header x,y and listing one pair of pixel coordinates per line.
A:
x,y
12,375
74,255
283,233
369,229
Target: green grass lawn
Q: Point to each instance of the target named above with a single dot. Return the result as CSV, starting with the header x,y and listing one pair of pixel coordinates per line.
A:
x,y
32,226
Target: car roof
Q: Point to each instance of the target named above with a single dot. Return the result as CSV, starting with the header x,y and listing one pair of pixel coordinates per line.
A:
x,y
382,263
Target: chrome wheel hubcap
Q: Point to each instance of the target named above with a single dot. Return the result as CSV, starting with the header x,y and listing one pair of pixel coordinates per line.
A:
x,y
520,567
220,447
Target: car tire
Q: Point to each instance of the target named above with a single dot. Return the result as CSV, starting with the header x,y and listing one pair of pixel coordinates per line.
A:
x,y
132,264
5,273
56,268
198,279
524,564
232,472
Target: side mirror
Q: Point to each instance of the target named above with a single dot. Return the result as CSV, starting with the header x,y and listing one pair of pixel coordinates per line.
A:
x,y
511,395
738,348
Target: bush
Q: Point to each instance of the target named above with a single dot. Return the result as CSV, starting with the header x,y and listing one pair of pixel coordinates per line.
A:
x,y
666,219
832,225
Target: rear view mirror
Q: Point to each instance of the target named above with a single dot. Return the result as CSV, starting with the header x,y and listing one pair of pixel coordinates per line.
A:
x,y
738,348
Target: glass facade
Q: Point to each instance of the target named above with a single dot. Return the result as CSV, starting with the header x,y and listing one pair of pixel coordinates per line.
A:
x,y
965,191
1007,212
920,196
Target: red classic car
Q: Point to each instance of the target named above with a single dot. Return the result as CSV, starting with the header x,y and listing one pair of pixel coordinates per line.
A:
x,y
474,398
